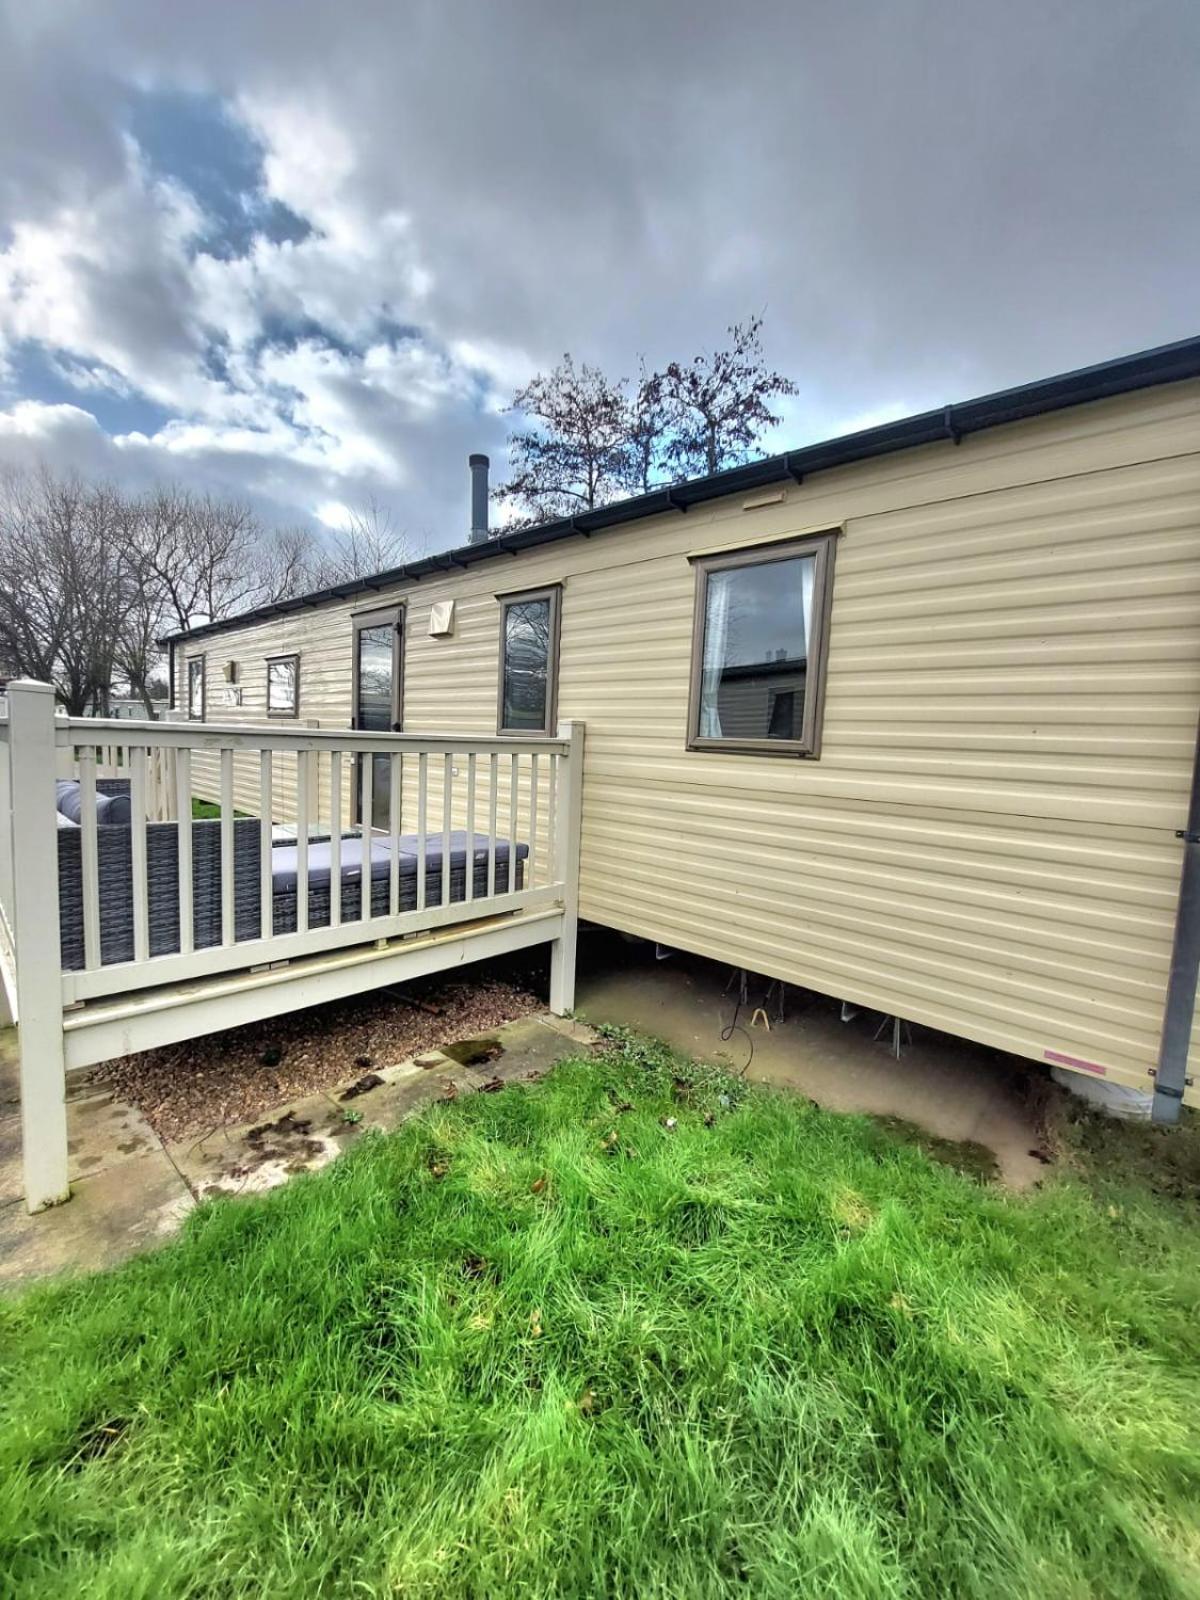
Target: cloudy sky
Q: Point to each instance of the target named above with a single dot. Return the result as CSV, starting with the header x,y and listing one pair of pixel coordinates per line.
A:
x,y
303,252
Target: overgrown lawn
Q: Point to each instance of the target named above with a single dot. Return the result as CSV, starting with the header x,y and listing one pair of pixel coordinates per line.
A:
x,y
542,1343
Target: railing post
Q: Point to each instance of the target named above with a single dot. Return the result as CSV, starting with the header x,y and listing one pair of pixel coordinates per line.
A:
x,y
6,879
39,955
568,822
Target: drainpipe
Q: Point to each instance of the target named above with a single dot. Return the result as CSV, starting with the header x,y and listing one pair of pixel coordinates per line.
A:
x,y
1170,1076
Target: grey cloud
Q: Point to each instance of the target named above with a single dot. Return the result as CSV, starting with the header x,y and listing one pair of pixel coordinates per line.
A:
x,y
928,200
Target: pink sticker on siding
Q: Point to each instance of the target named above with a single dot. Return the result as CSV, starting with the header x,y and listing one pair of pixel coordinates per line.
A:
x,y
1061,1060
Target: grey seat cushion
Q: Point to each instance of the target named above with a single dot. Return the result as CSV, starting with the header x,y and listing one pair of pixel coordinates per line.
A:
x,y
68,799
112,801
116,809
285,858
115,873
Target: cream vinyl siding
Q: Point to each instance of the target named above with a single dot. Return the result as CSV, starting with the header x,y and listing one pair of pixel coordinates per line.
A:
x,y
986,843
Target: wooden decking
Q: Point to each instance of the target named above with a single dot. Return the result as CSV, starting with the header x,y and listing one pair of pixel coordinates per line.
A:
x,y
490,866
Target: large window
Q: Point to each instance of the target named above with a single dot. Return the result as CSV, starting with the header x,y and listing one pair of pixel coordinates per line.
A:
x,y
195,689
758,648
283,686
529,662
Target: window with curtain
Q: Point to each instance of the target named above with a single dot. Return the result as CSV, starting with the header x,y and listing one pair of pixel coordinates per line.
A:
x,y
283,686
759,647
529,662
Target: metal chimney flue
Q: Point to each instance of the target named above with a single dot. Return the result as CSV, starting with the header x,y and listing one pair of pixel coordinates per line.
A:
x,y
479,498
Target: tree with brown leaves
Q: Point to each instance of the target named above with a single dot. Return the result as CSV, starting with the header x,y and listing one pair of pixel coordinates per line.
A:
x,y
720,403
592,439
575,456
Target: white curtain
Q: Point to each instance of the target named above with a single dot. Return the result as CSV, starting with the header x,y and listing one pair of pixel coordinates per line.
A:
x,y
716,639
808,572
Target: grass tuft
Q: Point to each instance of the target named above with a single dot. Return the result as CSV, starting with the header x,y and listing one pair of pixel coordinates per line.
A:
x,y
638,1329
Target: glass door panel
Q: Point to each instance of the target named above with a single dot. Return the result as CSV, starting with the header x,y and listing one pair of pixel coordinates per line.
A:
x,y
377,667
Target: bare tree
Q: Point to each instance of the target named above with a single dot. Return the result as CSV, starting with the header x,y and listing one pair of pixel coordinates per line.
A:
x,y
64,591
285,562
648,421
719,403
576,456
90,579
369,543
204,552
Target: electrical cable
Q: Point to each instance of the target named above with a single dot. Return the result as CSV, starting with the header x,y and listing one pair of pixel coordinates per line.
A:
x,y
736,1027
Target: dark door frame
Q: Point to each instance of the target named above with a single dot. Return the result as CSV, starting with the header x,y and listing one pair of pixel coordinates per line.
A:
x,y
381,617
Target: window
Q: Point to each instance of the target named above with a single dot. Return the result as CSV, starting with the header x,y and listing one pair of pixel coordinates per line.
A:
x,y
758,648
195,689
283,686
529,662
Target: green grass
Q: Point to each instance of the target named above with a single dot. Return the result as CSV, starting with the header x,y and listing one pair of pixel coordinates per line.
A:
x,y
539,1343
205,810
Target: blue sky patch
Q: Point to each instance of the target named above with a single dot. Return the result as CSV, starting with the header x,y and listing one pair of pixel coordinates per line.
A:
x,y
54,381
195,141
279,332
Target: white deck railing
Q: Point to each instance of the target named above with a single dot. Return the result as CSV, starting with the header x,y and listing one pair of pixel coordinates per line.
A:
x,y
214,923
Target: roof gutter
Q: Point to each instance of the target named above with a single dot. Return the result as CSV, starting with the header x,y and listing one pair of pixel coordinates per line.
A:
x,y
1171,363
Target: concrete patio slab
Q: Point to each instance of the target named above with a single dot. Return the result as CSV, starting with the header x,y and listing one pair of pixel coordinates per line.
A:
x,y
300,1137
395,1094
528,1048
102,1133
125,1209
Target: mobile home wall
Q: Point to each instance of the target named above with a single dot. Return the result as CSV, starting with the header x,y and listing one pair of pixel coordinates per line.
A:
x,y
986,843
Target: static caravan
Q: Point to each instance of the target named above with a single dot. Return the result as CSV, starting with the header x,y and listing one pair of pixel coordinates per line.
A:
x,y
907,718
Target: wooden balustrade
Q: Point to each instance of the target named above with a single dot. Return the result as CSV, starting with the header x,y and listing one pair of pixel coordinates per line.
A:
x,y
447,788
171,915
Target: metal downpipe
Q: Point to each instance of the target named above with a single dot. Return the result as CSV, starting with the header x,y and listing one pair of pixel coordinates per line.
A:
x,y
1170,1076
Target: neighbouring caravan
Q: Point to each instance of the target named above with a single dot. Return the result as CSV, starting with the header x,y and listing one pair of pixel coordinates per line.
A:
x,y
908,718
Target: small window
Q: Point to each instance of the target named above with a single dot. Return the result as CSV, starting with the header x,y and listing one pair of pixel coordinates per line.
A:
x,y
758,648
529,662
283,686
195,689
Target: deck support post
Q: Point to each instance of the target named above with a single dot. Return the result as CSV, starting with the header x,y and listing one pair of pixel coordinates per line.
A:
x,y
38,954
569,811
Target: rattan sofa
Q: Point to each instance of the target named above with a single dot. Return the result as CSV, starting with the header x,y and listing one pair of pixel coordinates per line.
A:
x,y
115,876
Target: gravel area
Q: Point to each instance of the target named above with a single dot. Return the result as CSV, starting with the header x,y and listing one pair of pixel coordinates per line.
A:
x,y
235,1076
